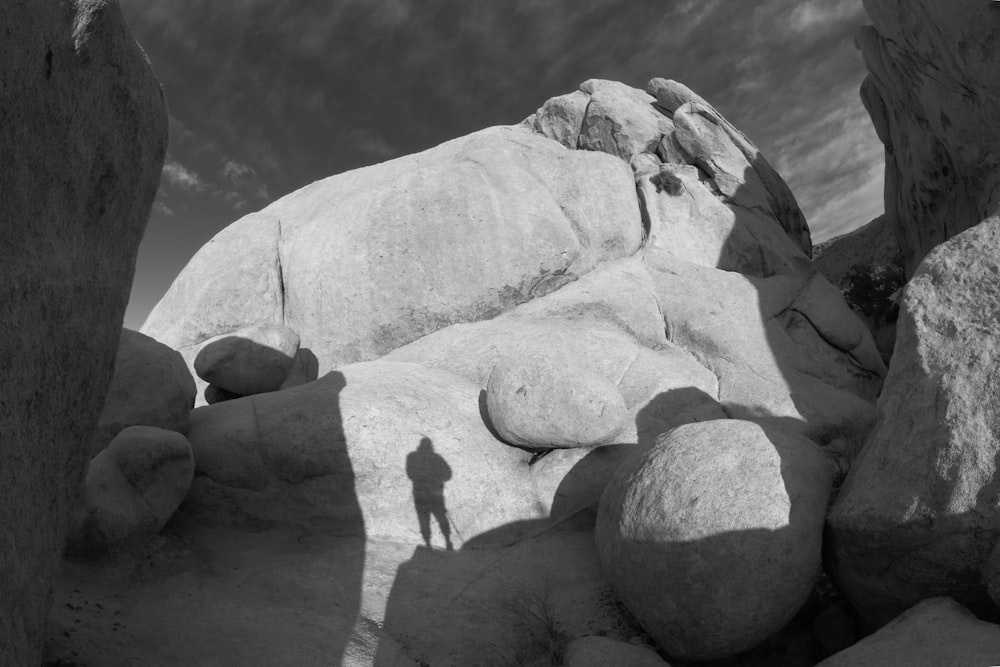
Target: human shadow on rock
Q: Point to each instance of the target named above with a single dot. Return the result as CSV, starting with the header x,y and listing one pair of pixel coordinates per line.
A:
x,y
428,471
249,477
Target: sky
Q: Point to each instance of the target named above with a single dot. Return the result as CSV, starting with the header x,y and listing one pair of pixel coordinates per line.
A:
x,y
266,96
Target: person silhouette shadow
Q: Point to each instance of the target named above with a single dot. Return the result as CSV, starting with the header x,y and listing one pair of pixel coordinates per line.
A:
x,y
429,471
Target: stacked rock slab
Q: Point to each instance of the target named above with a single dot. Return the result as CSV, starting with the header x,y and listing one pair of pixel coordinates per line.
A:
x,y
933,93
83,130
918,516
718,219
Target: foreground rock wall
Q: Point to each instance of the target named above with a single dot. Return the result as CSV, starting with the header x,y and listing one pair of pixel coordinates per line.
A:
x,y
83,133
918,516
933,93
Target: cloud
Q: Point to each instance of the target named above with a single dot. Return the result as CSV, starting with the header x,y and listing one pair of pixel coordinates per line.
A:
x,y
180,177
816,15
268,95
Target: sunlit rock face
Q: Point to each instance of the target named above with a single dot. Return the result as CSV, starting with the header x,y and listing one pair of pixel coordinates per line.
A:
x,y
918,516
83,131
933,93
366,261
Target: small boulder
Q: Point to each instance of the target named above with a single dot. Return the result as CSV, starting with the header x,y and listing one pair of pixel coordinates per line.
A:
x,y
545,402
712,538
251,360
621,120
132,489
603,651
937,632
152,386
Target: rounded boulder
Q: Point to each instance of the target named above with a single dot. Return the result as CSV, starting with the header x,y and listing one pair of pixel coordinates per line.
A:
x,y
132,488
251,360
546,402
152,386
712,538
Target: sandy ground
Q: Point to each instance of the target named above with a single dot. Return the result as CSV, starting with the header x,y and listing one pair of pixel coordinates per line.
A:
x,y
203,594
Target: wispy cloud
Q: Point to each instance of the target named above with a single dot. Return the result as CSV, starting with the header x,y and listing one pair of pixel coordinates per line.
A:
x,y
178,176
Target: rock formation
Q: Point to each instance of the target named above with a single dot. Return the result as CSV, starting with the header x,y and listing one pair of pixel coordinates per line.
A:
x,y
917,516
458,233
528,309
933,92
83,128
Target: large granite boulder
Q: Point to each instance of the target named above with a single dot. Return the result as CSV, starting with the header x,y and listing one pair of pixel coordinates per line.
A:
x,y
340,454
932,95
937,632
712,538
83,130
918,514
458,233
151,386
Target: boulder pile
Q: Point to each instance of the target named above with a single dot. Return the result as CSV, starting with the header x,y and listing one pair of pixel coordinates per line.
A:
x,y
646,340
590,347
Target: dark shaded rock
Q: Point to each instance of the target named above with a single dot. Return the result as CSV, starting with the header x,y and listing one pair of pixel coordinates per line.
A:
x,y
151,386
931,93
83,133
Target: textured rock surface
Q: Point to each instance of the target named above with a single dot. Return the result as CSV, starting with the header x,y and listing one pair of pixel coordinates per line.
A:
x,y
151,386
670,124
781,347
712,538
689,220
739,168
251,360
602,651
661,388
935,633
546,402
458,233
917,515
933,93
132,488
83,128
339,454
